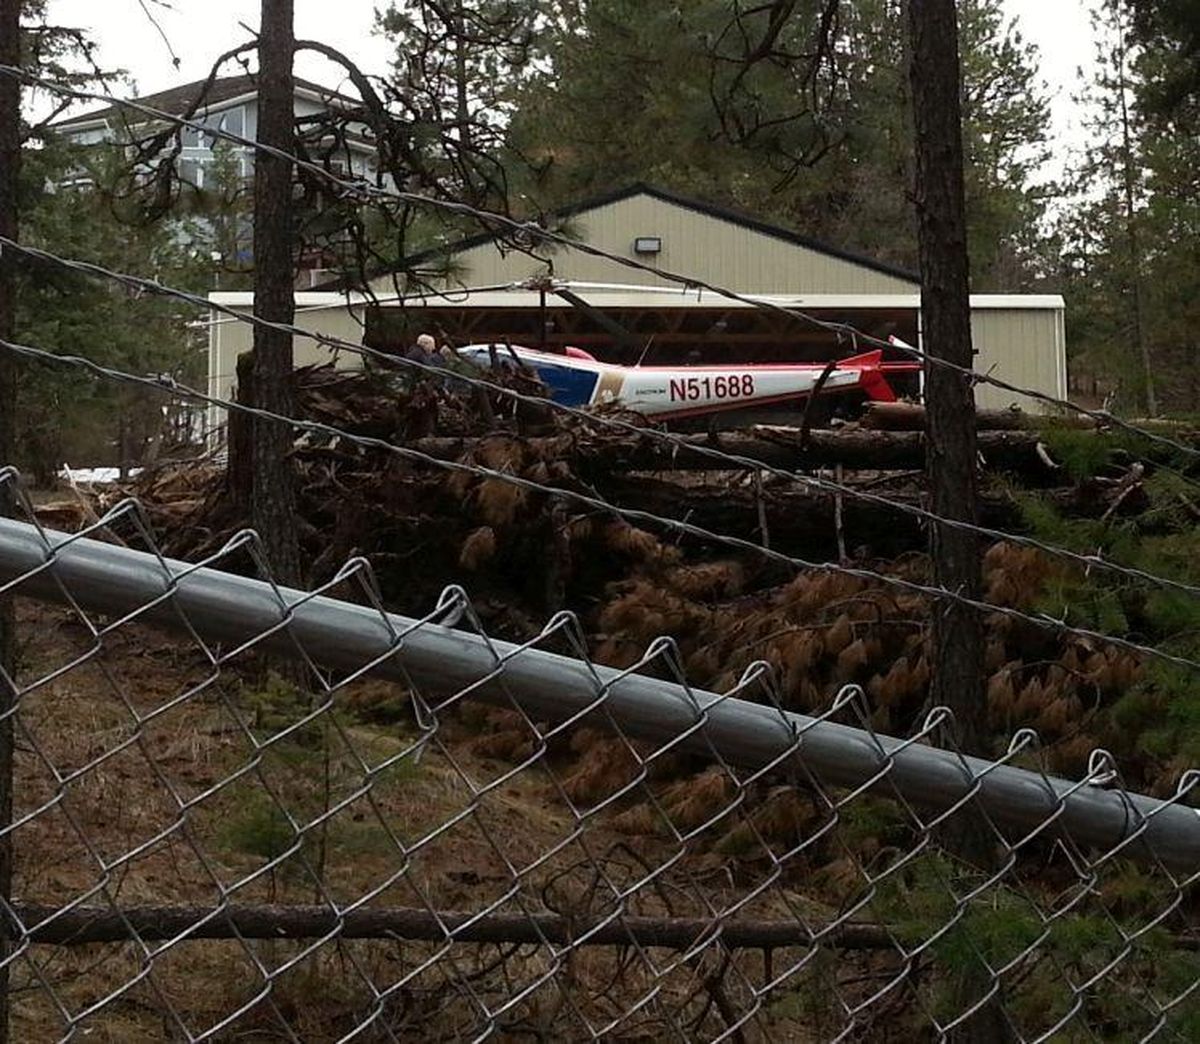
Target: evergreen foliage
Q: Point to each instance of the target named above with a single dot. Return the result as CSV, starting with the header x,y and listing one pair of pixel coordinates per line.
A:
x,y
1130,271
65,416
72,203
625,91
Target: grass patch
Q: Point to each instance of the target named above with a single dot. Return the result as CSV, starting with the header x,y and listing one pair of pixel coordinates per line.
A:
x,y
1157,715
313,764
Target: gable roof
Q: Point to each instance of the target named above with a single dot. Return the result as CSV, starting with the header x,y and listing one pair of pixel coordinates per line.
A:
x,y
721,213
176,100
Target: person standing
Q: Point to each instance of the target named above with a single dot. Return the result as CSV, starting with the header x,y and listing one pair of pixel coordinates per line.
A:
x,y
423,351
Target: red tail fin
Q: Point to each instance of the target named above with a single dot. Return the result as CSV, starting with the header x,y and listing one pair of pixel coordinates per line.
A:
x,y
871,378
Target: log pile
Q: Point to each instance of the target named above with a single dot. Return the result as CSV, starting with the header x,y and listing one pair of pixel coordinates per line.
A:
x,y
907,416
423,525
1019,453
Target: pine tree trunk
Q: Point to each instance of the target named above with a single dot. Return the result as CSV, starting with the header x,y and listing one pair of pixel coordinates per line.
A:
x,y
10,159
273,494
945,313
239,475
951,451
1131,230
462,105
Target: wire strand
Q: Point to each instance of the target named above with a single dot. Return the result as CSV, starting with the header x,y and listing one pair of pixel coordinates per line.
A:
x,y
529,228
674,441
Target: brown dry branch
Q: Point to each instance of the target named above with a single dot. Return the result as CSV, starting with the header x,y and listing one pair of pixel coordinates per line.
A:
x,y
83,924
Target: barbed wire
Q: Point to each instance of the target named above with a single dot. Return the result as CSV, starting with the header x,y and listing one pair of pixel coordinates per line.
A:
x,y
169,384
674,441
1089,561
364,189
855,1013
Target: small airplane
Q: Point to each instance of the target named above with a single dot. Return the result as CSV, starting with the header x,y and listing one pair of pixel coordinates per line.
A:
x,y
679,393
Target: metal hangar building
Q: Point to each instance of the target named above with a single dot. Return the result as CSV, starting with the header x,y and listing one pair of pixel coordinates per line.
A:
x,y
624,314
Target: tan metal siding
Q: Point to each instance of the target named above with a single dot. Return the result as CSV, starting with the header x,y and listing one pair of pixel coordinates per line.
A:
x,y
228,340
1022,347
693,244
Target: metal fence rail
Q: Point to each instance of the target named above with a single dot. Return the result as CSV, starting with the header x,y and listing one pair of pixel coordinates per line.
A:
x,y
409,830
221,607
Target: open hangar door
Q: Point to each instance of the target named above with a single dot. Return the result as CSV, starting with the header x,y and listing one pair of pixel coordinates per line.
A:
x,y
656,329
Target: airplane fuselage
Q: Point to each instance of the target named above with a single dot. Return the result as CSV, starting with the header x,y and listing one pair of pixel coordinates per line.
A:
x,y
677,392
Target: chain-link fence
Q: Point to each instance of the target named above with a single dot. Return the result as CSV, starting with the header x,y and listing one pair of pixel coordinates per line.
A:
x,y
243,812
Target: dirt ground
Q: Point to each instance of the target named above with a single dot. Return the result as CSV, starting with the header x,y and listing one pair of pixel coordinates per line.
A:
x,y
146,776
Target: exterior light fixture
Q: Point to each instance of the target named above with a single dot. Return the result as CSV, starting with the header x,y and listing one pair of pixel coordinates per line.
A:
x,y
647,245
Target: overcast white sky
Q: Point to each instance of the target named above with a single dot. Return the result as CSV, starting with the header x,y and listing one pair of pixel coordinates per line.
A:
x,y
199,30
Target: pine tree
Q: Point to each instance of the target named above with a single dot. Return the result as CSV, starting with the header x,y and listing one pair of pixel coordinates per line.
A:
x,y
451,87
10,158
272,498
1132,278
1171,28
1167,97
71,204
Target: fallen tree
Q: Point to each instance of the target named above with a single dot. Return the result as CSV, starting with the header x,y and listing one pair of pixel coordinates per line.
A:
x,y
908,416
1017,452
808,522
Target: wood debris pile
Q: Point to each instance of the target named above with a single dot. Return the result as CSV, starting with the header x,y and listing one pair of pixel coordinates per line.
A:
x,y
523,555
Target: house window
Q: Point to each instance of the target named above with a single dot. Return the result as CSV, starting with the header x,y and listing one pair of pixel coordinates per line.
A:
x,y
232,121
191,172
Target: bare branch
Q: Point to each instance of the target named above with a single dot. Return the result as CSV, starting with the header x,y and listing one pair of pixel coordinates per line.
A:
x,y
95,924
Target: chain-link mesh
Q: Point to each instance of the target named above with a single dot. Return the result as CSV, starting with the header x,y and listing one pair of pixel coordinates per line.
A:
x,y
245,813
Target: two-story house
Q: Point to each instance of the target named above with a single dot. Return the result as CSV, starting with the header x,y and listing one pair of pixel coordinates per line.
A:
x,y
230,105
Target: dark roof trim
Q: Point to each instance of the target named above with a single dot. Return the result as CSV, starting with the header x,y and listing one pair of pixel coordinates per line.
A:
x,y
699,206
224,89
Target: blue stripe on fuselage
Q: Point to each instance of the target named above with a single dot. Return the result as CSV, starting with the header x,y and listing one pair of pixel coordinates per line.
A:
x,y
568,385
